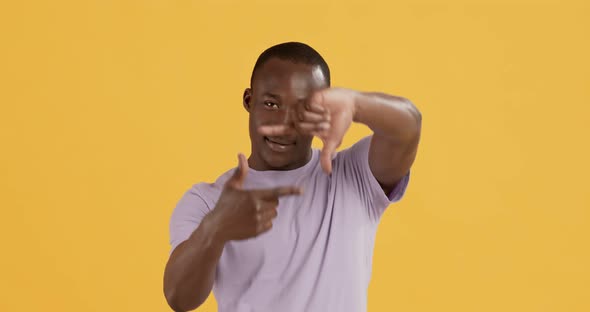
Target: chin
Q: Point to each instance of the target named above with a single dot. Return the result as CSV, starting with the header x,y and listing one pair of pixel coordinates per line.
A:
x,y
279,162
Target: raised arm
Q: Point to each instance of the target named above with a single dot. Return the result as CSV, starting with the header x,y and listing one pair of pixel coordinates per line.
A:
x,y
396,124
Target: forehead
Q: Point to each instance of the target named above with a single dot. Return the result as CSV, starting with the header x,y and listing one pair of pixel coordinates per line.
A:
x,y
283,76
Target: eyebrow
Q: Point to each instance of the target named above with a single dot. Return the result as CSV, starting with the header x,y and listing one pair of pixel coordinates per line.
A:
x,y
272,95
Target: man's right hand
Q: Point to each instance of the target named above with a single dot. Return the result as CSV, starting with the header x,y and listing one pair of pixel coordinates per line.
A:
x,y
241,214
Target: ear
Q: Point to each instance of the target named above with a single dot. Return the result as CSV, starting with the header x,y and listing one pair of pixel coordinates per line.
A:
x,y
247,98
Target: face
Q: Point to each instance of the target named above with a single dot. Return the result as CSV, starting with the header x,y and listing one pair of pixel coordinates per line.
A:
x,y
278,87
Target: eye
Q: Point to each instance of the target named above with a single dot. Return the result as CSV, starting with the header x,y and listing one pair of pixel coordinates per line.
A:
x,y
270,105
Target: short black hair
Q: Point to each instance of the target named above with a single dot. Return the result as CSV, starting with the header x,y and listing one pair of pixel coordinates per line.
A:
x,y
295,52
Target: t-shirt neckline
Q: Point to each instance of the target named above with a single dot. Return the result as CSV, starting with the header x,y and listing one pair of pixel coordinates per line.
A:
x,y
296,171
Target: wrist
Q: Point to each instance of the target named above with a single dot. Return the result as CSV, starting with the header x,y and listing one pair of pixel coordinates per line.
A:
x,y
211,231
357,106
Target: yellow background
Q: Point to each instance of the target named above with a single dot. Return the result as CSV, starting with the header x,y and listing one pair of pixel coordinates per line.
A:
x,y
110,110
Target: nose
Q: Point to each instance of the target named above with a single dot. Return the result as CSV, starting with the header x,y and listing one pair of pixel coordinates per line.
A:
x,y
286,116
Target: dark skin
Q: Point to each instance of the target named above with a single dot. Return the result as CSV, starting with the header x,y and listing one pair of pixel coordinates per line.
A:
x,y
289,103
280,89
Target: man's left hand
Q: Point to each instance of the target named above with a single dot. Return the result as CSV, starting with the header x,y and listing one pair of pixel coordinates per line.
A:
x,y
327,115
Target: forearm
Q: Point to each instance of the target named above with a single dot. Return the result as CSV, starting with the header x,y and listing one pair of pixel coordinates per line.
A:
x,y
396,123
190,272
391,117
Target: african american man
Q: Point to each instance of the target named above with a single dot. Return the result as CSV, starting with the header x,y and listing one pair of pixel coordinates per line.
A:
x,y
292,228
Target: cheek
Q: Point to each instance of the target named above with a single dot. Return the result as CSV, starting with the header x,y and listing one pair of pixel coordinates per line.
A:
x,y
262,117
257,120
253,124
305,142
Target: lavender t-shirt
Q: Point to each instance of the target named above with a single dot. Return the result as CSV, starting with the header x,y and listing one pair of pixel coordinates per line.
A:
x,y
317,256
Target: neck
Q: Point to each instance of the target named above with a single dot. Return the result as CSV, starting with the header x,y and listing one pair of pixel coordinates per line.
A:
x,y
257,162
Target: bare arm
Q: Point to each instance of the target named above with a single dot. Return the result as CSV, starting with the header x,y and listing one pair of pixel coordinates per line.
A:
x,y
239,214
396,124
190,271
395,121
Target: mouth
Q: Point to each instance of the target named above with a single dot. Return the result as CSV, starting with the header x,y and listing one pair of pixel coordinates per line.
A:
x,y
280,144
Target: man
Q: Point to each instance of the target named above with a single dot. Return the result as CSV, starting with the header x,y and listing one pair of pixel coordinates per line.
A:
x,y
293,228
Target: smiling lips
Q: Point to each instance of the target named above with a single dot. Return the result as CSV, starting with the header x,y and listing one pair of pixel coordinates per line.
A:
x,y
278,144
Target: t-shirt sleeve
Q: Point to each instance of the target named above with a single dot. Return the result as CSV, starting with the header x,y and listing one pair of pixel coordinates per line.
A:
x,y
356,163
186,217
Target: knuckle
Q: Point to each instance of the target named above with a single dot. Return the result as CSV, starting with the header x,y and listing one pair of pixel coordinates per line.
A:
x,y
263,227
253,203
254,219
268,226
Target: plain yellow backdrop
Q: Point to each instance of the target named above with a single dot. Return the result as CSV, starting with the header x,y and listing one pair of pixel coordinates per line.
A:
x,y
110,110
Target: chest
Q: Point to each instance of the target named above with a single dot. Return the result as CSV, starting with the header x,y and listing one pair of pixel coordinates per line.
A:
x,y
320,224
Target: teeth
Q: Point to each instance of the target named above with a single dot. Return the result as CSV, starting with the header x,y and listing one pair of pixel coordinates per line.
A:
x,y
276,146
280,143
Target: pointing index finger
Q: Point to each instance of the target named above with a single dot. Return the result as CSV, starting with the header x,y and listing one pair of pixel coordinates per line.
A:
x,y
280,191
274,130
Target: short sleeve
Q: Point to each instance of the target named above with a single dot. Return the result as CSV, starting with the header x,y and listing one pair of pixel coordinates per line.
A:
x,y
186,217
356,162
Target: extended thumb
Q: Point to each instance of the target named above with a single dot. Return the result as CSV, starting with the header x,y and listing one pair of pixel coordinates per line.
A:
x,y
237,179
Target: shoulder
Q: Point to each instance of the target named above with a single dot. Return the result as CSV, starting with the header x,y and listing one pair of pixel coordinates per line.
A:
x,y
358,149
355,157
203,193
209,192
